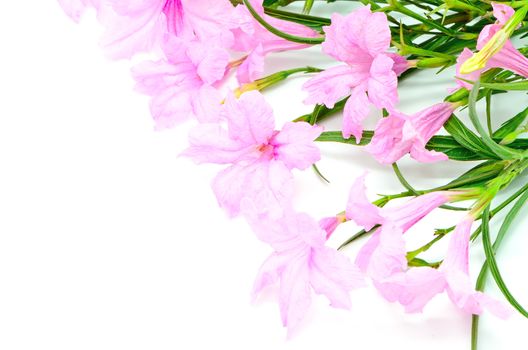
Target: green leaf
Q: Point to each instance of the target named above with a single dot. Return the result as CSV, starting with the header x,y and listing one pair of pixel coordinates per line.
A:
x,y
308,20
468,138
511,125
513,86
440,143
337,136
324,111
501,151
479,174
357,236
316,170
483,274
490,255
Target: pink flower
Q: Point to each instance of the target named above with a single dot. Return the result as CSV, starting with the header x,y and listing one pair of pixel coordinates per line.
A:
x,y
507,58
176,81
137,26
260,158
253,39
301,262
329,224
75,8
384,254
361,40
417,286
399,134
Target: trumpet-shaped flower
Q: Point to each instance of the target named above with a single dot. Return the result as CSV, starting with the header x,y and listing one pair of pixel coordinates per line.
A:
x,y
508,57
261,158
384,253
399,134
255,40
301,262
417,286
138,26
361,40
176,81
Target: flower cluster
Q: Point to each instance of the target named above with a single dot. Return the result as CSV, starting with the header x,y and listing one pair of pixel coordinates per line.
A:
x,y
199,45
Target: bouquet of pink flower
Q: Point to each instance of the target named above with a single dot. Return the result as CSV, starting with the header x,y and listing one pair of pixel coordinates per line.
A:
x,y
198,45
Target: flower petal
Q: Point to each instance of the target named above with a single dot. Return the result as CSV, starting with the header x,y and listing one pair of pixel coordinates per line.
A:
x,y
383,83
267,186
253,66
359,208
295,293
355,111
250,118
413,289
333,84
384,253
295,146
333,275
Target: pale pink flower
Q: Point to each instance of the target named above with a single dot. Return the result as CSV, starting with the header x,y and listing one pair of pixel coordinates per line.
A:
x,y
417,286
176,81
302,263
138,26
507,58
260,158
399,134
361,40
384,254
329,224
256,41
76,8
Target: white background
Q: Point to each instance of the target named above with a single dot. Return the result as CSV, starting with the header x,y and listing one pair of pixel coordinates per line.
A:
x,y
108,240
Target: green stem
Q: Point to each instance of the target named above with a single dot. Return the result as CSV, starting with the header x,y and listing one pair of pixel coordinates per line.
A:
x,y
279,33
